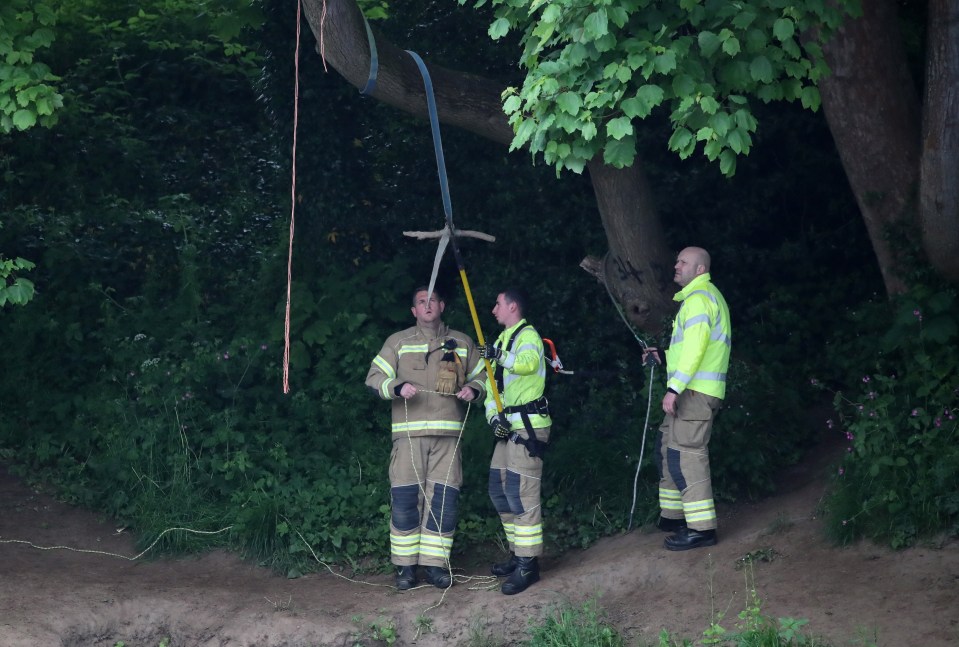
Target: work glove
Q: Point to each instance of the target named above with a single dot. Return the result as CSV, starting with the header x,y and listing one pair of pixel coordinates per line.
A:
x,y
490,351
500,426
447,378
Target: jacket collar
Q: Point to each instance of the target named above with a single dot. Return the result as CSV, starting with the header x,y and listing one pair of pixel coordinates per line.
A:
x,y
693,285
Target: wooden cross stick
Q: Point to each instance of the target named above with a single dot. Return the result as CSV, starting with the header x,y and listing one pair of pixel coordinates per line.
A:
x,y
444,239
463,233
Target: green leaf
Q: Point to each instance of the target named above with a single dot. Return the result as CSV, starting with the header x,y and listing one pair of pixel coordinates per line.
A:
x,y
810,98
20,292
620,153
24,119
569,102
665,62
499,28
683,85
682,142
744,19
784,28
731,46
512,104
595,25
647,98
721,123
727,163
552,13
708,43
709,105
588,130
619,127
761,70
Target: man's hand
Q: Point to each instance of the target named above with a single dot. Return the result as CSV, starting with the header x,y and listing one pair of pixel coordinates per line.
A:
x,y
500,426
653,354
407,391
467,394
490,351
669,403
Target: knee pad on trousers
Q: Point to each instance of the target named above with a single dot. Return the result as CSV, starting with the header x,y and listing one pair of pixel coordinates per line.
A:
x,y
672,463
443,509
496,492
512,493
404,513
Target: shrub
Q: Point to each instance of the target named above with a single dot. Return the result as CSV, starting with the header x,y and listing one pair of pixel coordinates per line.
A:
x,y
897,481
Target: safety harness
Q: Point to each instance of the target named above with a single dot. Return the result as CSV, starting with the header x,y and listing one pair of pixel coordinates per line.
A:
x,y
540,406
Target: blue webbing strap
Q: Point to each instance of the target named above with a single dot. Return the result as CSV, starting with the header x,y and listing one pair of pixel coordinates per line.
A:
x,y
437,139
370,86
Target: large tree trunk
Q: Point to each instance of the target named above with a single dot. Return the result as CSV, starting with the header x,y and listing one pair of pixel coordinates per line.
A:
x,y
939,188
638,267
638,254
872,108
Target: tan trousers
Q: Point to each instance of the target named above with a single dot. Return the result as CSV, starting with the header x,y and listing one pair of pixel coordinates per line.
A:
x,y
514,487
425,478
685,486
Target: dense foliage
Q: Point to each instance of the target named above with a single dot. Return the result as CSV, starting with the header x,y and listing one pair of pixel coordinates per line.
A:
x,y
900,421
149,379
595,69
27,94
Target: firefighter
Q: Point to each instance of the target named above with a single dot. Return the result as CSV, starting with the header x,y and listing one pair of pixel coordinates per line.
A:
x,y
522,429
427,371
697,361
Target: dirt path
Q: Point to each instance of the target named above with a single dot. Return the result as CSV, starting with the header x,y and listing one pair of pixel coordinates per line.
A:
x,y
850,596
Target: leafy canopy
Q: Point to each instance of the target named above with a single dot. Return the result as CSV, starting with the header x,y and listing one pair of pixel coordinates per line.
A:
x,y
26,96
593,68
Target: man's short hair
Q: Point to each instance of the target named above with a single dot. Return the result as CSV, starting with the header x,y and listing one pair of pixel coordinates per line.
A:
x,y
426,288
519,296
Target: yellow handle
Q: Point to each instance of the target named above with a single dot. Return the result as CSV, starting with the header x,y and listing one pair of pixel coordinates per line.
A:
x,y
481,341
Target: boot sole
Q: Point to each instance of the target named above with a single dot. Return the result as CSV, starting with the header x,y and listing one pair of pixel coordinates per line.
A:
x,y
698,544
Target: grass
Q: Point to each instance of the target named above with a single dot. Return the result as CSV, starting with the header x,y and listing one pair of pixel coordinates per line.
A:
x,y
586,625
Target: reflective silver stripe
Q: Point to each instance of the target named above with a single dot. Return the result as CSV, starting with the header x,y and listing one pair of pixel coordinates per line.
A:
x,y
703,318
681,377
413,348
708,375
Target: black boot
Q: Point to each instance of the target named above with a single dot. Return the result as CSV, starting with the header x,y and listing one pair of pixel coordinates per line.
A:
x,y
525,574
502,569
690,538
671,525
405,577
439,577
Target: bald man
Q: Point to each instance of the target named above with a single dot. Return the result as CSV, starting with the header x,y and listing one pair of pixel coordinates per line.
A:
x,y
697,361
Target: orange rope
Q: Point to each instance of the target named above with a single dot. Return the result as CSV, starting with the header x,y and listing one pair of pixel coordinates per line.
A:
x,y
289,262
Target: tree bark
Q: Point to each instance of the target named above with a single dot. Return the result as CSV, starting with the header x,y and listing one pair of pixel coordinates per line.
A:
x,y
872,108
638,257
638,267
939,171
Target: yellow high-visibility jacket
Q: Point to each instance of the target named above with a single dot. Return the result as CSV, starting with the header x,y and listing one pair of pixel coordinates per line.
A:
x,y
698,353
524,375
413,355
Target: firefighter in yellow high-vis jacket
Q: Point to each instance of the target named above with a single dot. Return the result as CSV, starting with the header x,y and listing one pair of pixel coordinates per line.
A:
x,y
697,361
523,427
428,371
